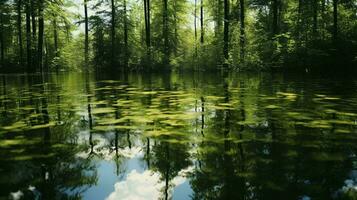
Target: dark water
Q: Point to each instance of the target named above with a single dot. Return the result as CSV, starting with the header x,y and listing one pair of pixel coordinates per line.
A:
x,y
178,136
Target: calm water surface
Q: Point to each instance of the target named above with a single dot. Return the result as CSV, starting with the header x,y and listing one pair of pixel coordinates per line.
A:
x,y
177,136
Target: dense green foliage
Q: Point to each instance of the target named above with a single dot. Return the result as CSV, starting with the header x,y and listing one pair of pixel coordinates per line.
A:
x,y
176,34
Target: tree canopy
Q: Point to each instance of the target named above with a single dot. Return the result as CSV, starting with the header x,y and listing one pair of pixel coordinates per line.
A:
x,y
57,35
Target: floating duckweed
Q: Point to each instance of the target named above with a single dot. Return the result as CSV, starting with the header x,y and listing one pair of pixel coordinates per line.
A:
x,y
103,110
40,126
342,131
125,127
173,122
15,126
272,107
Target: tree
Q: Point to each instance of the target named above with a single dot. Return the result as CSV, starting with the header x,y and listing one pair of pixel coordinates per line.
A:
x,y
33,18
242,30
126,49
202,28
275,10
28,38
19,29
165,32
315,12
226,31
2,47
40,35
195,25
113,50
55,38
242,33
86,32
147,17
335,20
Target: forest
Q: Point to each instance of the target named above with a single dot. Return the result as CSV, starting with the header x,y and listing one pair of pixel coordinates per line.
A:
x,y
164,35
178,99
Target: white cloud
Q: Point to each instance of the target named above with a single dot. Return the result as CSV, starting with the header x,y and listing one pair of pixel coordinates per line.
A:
x,y
138,186
144,186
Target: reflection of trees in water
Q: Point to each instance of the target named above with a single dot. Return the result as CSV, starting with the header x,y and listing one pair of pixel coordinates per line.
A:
x,y
48,154
268,161
218,176
244,147
169,158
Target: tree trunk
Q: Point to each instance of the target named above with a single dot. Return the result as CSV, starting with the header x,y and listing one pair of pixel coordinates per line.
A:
x,y
195,25
218,20
275,11
314,31
242,30
55,39
40,36
335,25
19,29
202,28
126,34
46,57
165,32
147,25
2,48
113,32
33,18
86,40
226,30
175,28
146,20
299,24
28,38
323,17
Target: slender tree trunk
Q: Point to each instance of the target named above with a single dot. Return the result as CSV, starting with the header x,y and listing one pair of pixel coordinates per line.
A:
x,y
28,38
226,30
2,48
55,39
113,32
19,29
202,116
175,28
165,32
40,35
201,20
46,57
86,40
275,10
167,172
242,30
335,20
299,24
146,20
314,31
33,7
126,35
147,25
195,25
55,36
218,27
148,152
323,17
33,18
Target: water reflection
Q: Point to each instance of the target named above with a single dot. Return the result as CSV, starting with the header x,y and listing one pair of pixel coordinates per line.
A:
x,y
177,136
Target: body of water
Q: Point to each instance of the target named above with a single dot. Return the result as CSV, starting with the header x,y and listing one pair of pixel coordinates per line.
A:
x,y
177,136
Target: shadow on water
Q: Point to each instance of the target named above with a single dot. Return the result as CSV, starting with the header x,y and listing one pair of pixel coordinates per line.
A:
x,y
178,136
